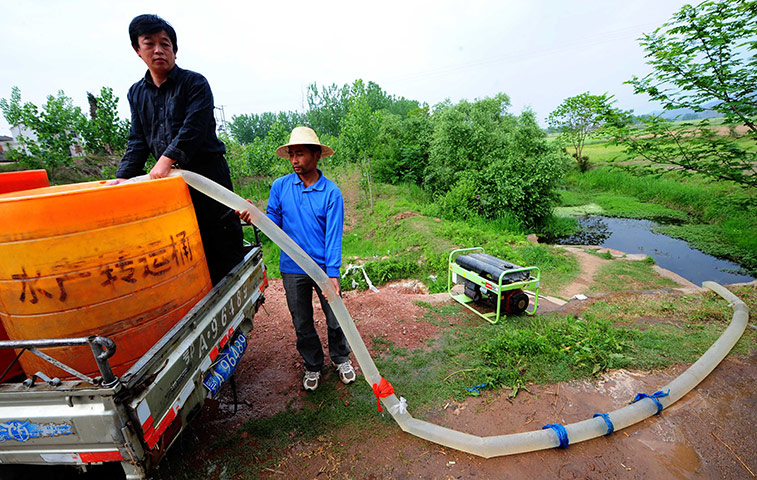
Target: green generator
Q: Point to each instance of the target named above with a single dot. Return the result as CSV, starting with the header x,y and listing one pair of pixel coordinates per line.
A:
x,y
491,281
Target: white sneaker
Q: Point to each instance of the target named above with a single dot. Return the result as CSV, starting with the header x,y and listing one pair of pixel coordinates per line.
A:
x,y
346,372
310,382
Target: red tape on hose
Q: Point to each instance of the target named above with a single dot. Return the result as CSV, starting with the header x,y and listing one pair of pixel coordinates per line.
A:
x,y
382,390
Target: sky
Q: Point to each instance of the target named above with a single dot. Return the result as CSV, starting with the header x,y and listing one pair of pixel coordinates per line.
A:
x,y
261,56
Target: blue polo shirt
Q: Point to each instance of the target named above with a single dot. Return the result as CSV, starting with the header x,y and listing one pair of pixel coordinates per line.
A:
x,y
313,217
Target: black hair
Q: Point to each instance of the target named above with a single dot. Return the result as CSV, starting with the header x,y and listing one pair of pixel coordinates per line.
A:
x,y
148,24
313,148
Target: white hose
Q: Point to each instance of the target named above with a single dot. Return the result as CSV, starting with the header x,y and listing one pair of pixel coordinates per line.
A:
x,y
499,444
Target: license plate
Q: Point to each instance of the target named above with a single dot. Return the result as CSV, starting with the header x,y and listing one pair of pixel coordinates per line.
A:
x,y
225,364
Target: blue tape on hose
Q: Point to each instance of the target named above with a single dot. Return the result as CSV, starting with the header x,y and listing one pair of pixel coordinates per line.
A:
x,y
561,433
654,398
475,389
606,418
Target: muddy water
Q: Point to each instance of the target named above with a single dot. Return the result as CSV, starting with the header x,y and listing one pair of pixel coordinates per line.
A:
x,y
637,236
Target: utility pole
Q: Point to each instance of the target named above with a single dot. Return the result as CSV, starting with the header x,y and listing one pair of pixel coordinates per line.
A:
x,y
220,116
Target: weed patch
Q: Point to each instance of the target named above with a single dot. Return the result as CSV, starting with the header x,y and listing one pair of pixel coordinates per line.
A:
x,y
604,255
554,349
624,275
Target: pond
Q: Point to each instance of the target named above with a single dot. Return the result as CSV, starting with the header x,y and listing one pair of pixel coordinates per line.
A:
x,y
631,235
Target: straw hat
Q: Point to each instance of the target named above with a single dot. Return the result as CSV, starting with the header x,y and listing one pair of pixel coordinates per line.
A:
x,y
303,136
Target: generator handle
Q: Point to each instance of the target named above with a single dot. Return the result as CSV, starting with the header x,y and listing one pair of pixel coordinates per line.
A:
x,y
461,250
522,269
452,255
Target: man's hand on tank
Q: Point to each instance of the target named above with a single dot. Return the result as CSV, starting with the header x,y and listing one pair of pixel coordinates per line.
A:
x,y
162,167
115,181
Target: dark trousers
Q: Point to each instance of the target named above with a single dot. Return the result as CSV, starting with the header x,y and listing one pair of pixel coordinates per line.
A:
x,y
299,293
220,228
222,242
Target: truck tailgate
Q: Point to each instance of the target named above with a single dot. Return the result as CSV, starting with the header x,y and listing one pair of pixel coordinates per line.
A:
x,y
169,379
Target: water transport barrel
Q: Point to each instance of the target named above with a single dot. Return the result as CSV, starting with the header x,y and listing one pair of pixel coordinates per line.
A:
x,y
124,261
12,182
23,180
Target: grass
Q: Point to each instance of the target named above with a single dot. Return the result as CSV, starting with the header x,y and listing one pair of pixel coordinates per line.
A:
x,y
601,151
615,205
11,167
606,255
83,169
620,275
550,348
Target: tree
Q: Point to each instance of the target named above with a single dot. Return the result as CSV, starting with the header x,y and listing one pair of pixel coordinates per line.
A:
x,y
705,53
257,158
243,128
579,117
104,132
700,149
247,127
12,109
379,100
55,128
402,146
486,162
704,57
327,107
359,130
467,136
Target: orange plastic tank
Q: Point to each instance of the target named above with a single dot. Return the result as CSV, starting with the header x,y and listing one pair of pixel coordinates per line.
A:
x,y
12,182
124,261
23,180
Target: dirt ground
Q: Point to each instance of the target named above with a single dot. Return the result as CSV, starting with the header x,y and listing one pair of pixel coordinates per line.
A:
x,y
704,435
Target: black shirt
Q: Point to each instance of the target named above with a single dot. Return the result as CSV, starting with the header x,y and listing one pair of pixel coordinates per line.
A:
x,y
175,120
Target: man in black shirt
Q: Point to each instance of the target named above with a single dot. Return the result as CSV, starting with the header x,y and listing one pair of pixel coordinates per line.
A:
x,y
172,118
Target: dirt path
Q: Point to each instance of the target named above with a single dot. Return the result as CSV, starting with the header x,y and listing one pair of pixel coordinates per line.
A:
x,y
589,265
679,443
272,372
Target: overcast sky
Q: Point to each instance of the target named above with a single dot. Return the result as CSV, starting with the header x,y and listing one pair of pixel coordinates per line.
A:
x,y
260,56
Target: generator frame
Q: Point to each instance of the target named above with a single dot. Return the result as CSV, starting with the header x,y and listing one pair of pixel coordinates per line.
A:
x,y
532,284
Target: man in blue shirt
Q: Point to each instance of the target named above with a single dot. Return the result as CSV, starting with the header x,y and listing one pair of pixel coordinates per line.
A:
x,y
310,209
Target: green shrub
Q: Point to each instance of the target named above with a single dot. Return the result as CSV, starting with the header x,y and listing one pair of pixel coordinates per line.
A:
x,y
402,147
566,347
485,162
258,158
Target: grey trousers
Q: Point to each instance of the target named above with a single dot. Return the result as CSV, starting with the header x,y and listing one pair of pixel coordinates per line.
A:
x,y
299,293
